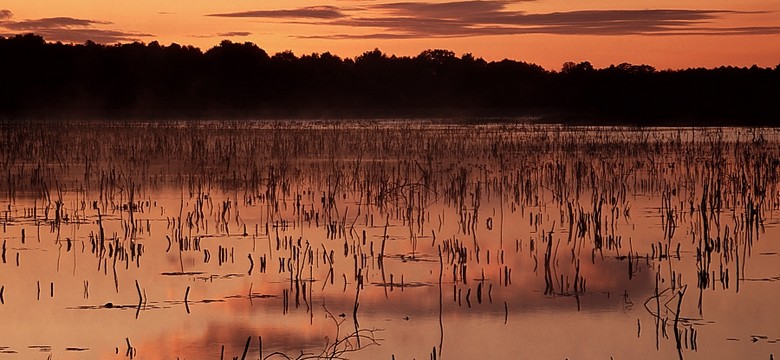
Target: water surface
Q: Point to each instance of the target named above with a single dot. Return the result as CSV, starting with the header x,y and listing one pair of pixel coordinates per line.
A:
x,y
375,239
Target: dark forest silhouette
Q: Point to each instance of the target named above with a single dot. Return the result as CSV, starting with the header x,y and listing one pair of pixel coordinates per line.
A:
x,y
54,80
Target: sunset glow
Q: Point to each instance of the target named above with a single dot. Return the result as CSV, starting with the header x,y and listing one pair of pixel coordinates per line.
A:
x,y
665,34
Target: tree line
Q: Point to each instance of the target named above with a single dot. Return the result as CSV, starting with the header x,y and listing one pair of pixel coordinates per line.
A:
x,y
136,80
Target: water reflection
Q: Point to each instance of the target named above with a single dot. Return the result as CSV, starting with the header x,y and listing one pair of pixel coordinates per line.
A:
x,y
381,239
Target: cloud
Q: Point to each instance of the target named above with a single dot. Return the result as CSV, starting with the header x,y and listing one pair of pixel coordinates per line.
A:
x,y
410,26
371,36
456,9
96,35
68,29
235,33
53,23
311,12
224,34
747,30
468,18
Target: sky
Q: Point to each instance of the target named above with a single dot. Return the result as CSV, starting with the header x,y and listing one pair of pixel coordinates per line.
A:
x,y
667,34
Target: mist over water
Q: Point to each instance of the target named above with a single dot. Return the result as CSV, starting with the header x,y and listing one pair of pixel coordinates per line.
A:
x,y
374,239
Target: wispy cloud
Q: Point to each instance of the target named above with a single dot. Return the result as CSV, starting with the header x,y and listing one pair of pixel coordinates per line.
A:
x,y
455,9
235,34
53,23
744,30
311,12
68,29
96,35
224,34
469,18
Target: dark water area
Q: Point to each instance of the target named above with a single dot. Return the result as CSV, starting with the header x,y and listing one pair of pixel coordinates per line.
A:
x,y
381,239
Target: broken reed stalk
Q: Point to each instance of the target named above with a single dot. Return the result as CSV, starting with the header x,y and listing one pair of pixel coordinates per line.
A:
x,y
384,238
246,347
138,289
140,299
130,350
186,303
677,334
506,313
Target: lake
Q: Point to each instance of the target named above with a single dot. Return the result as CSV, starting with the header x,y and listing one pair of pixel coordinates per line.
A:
x,y
388,239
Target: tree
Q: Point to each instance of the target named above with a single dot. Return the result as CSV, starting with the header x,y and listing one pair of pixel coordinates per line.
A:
x,y
437,56
571,68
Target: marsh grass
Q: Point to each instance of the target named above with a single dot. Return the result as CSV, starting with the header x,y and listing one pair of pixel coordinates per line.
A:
x,y
381,192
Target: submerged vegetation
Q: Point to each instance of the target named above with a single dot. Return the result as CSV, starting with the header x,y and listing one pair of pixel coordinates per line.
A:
x,y
279,231
132,81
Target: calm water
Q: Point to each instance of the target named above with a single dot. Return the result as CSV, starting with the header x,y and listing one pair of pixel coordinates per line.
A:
x,y
368,240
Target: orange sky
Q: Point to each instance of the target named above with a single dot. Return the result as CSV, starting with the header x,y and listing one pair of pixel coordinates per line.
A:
x,y
662,33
